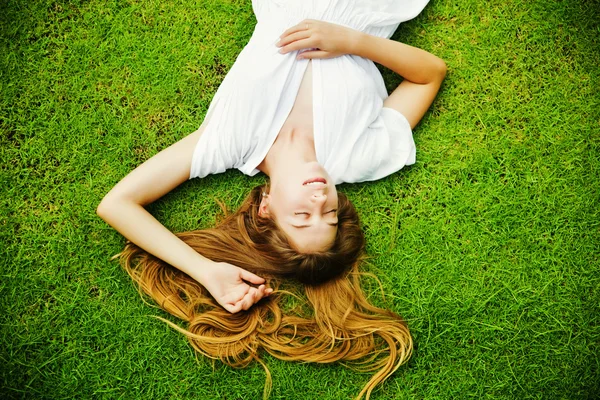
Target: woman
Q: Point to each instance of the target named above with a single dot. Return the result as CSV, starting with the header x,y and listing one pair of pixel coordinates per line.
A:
x,y
306,106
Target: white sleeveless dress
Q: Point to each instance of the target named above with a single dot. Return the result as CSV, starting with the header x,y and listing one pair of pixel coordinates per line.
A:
x,y
356,138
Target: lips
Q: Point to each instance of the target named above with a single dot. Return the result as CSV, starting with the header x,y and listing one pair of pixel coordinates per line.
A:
x,y
315,181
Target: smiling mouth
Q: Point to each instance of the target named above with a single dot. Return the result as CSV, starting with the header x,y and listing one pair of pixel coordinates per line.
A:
x,y
315,181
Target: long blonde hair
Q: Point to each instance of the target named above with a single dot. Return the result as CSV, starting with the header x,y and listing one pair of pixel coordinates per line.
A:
x,y
332,320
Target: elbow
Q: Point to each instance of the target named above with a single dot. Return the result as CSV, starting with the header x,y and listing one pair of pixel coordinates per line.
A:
x,y
107,207
441,69
433,73
103,209
114,206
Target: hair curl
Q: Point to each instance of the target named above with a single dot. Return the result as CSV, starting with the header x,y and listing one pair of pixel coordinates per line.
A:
x,y
333,322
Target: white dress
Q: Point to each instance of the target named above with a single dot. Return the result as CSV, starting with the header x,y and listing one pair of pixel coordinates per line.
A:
x,y
356,138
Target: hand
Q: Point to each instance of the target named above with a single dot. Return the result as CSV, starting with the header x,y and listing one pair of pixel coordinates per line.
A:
x,y
228,286
319,39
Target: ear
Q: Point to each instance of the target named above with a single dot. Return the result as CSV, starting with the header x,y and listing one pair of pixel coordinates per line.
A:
x,y
263,208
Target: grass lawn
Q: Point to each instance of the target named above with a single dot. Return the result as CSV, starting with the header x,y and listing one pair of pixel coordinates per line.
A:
x,y
489,245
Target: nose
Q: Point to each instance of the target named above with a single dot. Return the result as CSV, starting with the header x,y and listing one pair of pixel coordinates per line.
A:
x,y
318,197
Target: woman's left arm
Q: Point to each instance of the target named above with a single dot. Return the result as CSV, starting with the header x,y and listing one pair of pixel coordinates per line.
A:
x,y
423,72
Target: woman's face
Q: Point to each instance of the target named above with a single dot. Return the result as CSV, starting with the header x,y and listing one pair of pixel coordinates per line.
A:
x,y
303,202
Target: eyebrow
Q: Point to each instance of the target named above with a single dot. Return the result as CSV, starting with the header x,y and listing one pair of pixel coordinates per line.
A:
x,y
308,226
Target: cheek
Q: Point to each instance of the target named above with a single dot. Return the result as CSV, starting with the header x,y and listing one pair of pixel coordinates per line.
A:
x,y
290,198
334,200
280,204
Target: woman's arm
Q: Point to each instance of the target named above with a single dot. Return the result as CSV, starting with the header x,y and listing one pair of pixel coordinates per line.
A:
x,y
423,72
123,209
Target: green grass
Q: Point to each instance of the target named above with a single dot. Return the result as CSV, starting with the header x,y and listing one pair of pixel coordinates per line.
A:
x,y
489,246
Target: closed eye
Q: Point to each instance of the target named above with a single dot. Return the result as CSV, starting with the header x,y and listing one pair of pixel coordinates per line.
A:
x,y
306,213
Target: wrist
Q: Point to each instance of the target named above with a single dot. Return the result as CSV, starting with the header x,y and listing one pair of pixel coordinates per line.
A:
x,y
201,269
365,45
356,42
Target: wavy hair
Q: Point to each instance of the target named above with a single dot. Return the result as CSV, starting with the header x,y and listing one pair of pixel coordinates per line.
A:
x,y
323,318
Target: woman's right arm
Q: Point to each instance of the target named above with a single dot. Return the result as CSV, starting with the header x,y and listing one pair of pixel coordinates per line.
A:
x,y
123,209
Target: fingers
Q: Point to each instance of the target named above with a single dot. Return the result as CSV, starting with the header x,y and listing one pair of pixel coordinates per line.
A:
x,y
251,297
238,305
250,277
234,297
313,54
264,291
233,308
287,39
256,294
299,37
302,26
308,43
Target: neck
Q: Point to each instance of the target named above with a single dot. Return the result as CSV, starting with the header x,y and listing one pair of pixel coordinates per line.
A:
x,y
290,149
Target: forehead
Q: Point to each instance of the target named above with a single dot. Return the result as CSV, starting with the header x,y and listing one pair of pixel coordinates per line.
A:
x,y
315,238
